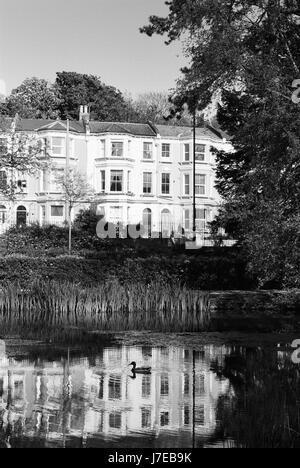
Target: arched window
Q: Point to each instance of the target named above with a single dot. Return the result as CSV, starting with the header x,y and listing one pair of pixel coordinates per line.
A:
x,y
21,216
3,214
147,221
166,223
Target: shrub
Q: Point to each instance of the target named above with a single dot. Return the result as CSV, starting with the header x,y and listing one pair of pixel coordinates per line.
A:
x,y
86,221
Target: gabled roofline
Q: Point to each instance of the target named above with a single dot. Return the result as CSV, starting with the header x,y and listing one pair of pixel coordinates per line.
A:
x,y
57,122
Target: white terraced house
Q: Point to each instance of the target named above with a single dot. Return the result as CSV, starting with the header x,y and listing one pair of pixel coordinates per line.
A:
x,y
140,173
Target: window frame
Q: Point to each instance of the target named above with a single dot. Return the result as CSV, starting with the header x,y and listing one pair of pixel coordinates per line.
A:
x,y
114,387
116,182
165,184
164,385
146,386
164,418
56,215
62,153
115,419
102,181
146,414
117,143
22,185
147,184
129,173
147,154
201,222
165,153
200,155
187,153
187,184
198,186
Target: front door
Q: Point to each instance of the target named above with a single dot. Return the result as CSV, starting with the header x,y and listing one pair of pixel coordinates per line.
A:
x,y
21,216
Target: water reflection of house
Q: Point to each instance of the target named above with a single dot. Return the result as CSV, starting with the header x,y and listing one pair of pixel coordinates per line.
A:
x,y
82,399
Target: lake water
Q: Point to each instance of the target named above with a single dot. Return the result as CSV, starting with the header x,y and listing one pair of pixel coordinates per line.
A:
x,y
199,394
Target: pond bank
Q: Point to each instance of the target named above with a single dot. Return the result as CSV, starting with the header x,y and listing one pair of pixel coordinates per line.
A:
x,y
262,311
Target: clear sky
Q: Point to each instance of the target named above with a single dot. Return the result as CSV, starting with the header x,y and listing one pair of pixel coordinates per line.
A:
x,y
100,37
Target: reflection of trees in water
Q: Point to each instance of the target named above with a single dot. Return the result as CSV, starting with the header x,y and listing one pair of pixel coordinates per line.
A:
x,y
264,408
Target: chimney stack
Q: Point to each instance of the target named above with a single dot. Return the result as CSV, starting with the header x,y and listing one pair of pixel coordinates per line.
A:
x,y
84,117
84,114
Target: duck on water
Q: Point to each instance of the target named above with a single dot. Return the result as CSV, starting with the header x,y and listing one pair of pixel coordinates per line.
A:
x,y
139,370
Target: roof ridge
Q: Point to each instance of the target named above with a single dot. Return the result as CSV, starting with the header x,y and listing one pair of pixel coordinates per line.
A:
x,y
120,123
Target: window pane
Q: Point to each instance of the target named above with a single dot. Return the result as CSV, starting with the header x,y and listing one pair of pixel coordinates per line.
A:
x,y
147,182
200,184
200,416
114,388
116,182
102,175
186,415
186,384
200,385
58,146
22,184
146,386
117,149
57,211
200,219
165,150
165,187
187,219
164,418
186,184
146,417
200,152
147,153
115,420
164,385
187,152
128,181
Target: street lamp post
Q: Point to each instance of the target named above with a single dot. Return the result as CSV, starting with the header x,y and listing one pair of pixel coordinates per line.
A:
x,y
194,173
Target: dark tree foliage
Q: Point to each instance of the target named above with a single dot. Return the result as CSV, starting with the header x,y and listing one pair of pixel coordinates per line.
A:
x,y
34,99
250,51
76,89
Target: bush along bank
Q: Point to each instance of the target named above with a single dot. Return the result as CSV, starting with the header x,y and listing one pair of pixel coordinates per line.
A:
x,y
196,272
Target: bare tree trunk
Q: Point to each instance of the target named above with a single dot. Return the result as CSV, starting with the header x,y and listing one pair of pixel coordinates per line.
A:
x,y
70,230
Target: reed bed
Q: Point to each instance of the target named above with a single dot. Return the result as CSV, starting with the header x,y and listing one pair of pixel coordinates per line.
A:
x,y
109,306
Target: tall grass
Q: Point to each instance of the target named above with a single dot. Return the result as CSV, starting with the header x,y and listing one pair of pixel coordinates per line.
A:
x,y
109,306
